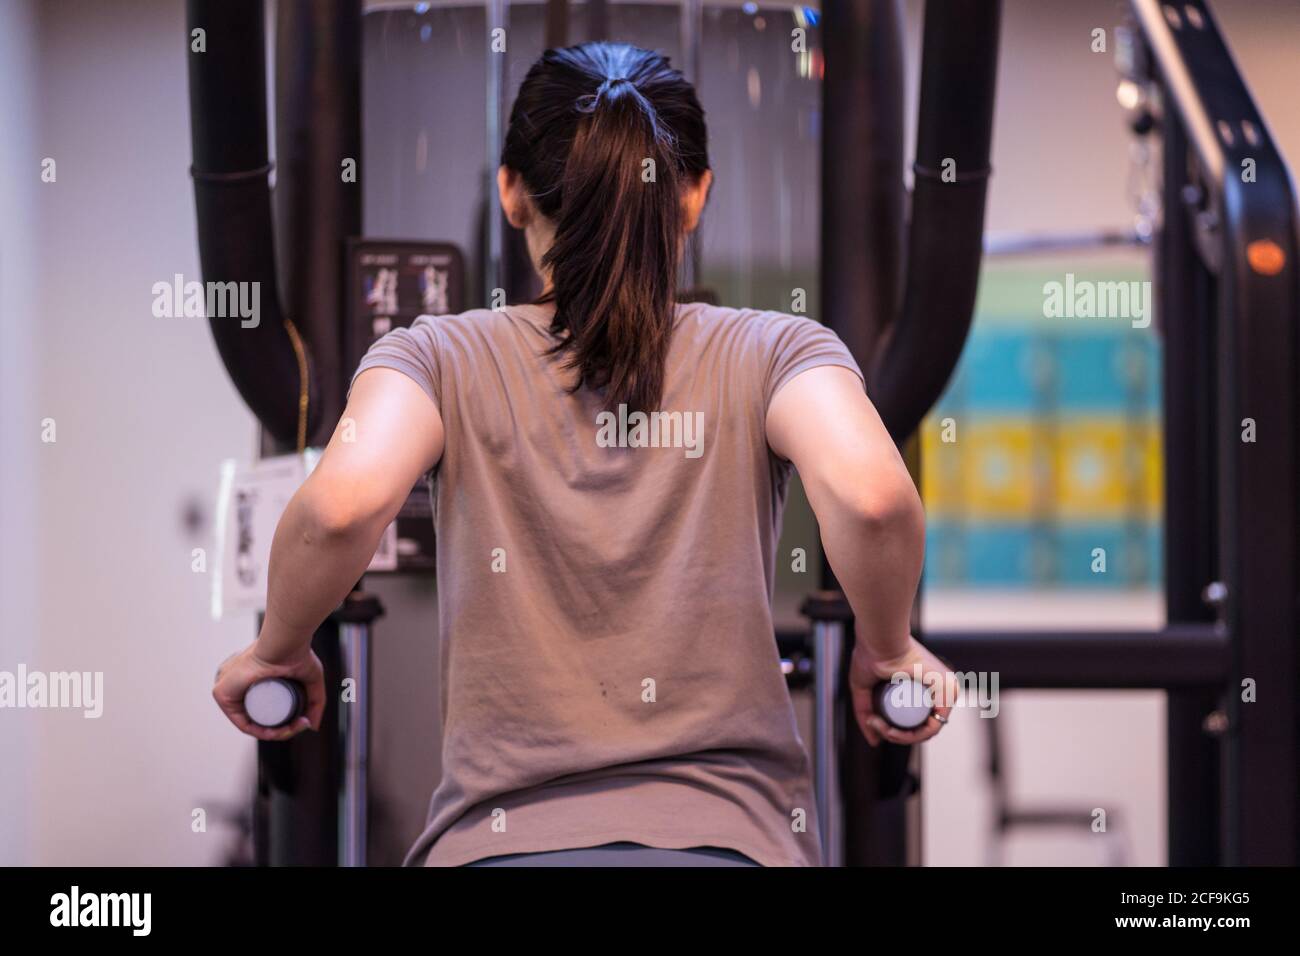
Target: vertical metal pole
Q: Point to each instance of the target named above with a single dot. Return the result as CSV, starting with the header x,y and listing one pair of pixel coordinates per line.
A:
x,y
1185,292
354,732
298,782
828,652
1258,525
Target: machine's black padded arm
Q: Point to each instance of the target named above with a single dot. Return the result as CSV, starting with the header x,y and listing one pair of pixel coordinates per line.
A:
x,y
232,200
945,238
862,168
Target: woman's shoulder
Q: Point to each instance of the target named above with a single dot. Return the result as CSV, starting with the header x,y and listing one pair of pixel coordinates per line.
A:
x,y
482,324
757,326
699,325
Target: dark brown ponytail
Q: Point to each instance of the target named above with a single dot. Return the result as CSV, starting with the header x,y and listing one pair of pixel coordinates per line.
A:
x,y
605,136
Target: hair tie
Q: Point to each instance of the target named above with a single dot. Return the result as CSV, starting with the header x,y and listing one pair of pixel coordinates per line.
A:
x,y
611,82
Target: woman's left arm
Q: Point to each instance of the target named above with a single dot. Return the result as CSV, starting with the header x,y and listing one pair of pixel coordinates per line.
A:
x,y
390,434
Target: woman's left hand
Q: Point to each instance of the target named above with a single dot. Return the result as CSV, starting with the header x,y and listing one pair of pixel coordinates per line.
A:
x,y
241,671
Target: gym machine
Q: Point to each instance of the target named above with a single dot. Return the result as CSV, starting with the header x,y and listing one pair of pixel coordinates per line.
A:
x,y
1227,288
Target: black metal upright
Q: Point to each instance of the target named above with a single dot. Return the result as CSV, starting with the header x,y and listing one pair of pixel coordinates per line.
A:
x,y
296,817
1185,296
1244,226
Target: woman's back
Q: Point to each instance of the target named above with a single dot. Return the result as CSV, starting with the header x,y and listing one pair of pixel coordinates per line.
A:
x,y
604,591
611,468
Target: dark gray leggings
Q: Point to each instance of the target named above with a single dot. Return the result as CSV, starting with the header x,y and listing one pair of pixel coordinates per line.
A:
x,y
623,854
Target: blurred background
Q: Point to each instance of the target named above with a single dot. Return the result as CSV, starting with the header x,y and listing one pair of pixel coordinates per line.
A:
x,y
1060,419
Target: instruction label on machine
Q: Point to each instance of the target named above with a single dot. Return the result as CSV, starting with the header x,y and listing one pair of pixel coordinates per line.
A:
x,y
251,499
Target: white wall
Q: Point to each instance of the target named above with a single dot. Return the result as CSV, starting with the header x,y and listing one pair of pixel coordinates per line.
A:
x,y
144,414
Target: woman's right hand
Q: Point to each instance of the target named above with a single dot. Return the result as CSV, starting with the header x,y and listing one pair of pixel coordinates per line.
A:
x,y
866,671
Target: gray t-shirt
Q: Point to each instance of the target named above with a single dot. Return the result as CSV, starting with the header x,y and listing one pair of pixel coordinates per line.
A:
x,y
609,671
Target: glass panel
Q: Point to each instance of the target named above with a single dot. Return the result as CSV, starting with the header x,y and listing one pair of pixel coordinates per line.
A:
x,y
763,104
424,139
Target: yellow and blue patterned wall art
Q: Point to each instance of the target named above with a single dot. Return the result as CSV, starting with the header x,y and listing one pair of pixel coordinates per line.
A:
x,y
1041,463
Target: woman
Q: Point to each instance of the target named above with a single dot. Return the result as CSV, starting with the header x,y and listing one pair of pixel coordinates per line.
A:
x,y
610,474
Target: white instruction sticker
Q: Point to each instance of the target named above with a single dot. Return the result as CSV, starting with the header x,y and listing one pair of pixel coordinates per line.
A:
x,y
250,502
